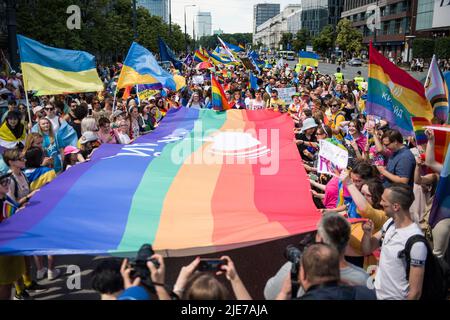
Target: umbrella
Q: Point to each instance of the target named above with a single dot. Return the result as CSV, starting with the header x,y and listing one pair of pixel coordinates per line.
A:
x,y
204,65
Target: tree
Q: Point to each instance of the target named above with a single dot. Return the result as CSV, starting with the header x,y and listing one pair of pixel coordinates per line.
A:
x,y
106,29
423,48
442,48
348,38
324,41
211,42
302,39
286,39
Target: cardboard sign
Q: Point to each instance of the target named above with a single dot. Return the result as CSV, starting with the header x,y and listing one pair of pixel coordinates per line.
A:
x,y
331,158
198,79
286,94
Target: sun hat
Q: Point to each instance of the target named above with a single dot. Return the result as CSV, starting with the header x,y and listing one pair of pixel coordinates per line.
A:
x,y
309,123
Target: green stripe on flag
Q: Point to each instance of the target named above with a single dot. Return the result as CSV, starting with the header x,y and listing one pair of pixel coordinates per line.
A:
x,y
148,200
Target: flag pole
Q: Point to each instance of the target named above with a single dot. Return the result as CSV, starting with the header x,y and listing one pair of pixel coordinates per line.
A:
x,y
28,106
115,100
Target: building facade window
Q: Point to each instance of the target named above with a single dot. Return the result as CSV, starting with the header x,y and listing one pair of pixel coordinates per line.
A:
x,y
425,10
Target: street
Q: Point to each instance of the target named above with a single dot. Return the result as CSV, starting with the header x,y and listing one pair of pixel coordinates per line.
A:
x,y
350,71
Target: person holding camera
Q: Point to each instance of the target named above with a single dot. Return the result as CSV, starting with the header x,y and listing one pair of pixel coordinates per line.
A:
x,y
194,284
333,230
320,277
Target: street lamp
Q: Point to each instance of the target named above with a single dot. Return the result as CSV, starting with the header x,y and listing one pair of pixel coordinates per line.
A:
x,y
185,26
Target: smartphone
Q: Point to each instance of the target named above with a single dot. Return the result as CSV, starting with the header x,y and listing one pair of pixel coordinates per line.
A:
x,y
211,265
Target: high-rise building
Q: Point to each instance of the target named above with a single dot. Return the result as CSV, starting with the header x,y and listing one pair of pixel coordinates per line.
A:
x,y
263,12
158,8
395,24
204,24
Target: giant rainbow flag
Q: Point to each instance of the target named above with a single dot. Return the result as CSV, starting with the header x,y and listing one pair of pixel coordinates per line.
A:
x,y
395,95
202,182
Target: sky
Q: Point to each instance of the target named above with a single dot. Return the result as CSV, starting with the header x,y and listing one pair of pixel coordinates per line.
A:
x,y
232,16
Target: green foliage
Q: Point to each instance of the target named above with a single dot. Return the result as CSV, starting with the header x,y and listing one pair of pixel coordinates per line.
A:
x,y
286,39
443,48
106,28
302,39
349,39
324,41
423,48
210,42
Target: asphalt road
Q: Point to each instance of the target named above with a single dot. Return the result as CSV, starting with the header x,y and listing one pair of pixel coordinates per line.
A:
x,y
350,72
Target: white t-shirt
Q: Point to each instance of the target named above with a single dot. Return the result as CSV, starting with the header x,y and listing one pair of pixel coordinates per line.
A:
x,y
123,138
390,280
257,105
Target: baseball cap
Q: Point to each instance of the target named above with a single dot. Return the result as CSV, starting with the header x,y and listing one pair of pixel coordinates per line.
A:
x,y
38,109
88,136
70,149
117,113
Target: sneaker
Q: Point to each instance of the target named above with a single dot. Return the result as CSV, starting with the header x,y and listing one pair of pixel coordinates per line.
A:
x,y
23,296
53,274
35,287
40,274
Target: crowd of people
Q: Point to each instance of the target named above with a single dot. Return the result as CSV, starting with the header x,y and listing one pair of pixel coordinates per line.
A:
x,y
390,182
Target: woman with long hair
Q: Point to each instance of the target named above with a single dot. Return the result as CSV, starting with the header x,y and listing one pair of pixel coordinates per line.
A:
x,y
50,144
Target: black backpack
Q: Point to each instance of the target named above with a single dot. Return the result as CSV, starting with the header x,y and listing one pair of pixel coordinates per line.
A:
x,y
436,279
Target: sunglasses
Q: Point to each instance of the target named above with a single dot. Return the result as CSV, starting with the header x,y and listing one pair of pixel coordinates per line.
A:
x,y
20,159
49,109
5,182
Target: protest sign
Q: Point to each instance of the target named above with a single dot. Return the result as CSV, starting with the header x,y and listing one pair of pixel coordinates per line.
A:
x,y
198,79
331,157
286,94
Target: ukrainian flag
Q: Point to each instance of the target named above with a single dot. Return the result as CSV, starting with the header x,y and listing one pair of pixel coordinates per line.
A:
x,y
141,67
57,71
308,59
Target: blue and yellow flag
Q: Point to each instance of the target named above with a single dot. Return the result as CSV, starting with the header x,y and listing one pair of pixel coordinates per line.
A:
x,y
307,58
141,67
57,71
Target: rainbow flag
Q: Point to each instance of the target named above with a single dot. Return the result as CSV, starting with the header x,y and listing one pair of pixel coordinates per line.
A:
x,y
441,141
219,101
441,203
436,91
9,208
307,58
419,125
141,67
175,188
394,95
200,57
57,71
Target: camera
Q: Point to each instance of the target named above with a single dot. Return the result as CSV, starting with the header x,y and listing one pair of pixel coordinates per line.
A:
x,y
139,265
294,255
211,265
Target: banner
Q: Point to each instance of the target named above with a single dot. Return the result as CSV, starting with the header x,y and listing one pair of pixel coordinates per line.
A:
x,y
331,157
176,189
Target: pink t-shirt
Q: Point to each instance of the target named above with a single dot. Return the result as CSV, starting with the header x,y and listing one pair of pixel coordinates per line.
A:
x,y
332,193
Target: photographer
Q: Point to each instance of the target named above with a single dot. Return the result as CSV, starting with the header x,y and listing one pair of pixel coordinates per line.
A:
x,y
107,279
334,230
192,285
319,276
